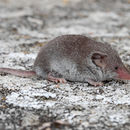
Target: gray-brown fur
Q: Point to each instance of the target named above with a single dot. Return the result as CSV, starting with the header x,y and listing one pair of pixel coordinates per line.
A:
x,y
70,57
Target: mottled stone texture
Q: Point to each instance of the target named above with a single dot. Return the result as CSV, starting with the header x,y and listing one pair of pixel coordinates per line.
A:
x,y
27,103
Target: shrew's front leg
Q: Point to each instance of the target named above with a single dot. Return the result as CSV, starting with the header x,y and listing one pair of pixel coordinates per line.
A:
x,y
95,83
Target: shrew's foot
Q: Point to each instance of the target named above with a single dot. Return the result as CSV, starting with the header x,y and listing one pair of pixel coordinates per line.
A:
x,y
56,80
95,83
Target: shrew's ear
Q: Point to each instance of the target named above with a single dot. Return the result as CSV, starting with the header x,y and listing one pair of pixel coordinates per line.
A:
x,y
98,59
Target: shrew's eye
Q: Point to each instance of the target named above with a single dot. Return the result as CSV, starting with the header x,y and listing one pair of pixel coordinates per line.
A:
x,y
116,68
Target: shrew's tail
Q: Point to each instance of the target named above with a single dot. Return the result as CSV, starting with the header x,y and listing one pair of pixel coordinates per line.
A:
x,y
17,72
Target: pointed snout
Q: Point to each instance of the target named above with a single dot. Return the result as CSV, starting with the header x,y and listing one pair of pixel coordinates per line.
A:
x,y
123,74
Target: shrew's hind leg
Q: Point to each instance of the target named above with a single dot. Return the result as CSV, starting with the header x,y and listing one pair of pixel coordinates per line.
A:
x,y
54,79
51,76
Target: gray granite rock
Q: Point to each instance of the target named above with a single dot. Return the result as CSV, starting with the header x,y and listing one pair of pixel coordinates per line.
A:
x,y
27,103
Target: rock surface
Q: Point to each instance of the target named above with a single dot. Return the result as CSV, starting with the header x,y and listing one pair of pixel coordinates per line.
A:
x,y
27,103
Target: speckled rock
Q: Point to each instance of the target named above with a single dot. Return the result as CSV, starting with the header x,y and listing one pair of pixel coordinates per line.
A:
x,y
27,103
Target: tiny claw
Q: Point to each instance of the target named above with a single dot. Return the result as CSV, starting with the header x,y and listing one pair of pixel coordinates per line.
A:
x,y
62,80
95,83
56,80
98,84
